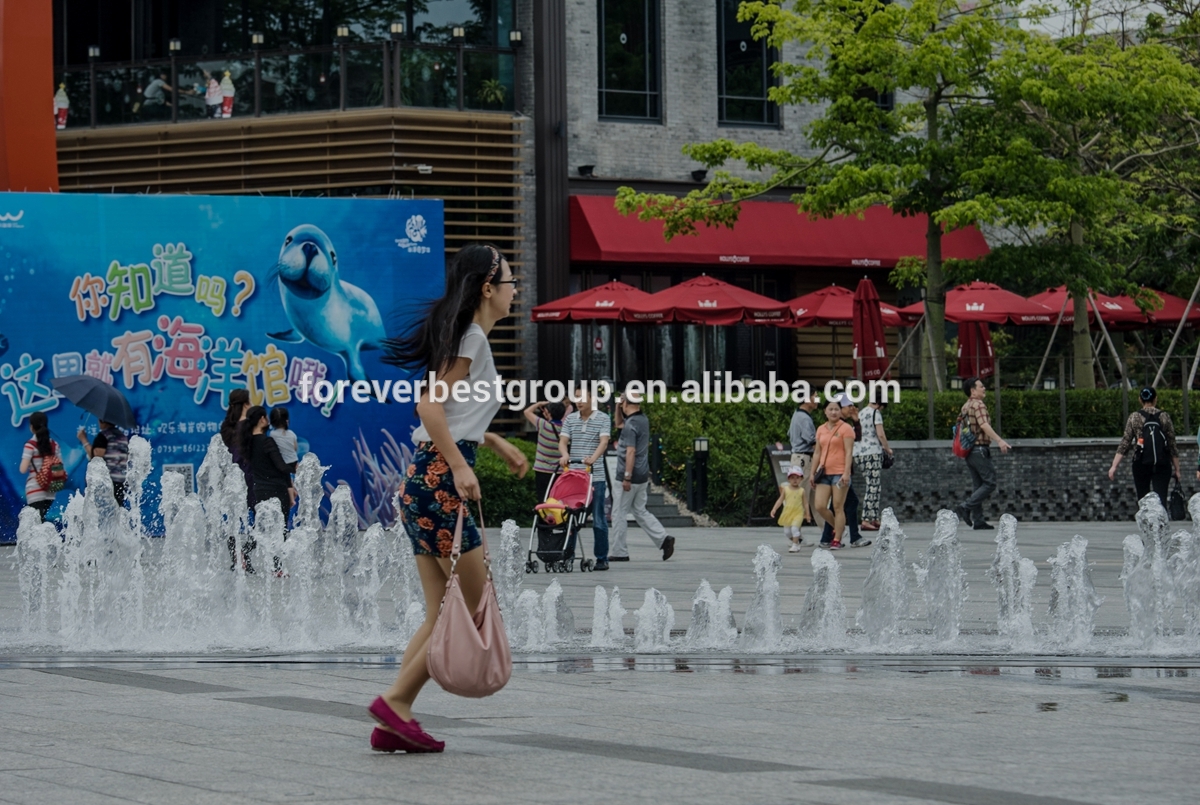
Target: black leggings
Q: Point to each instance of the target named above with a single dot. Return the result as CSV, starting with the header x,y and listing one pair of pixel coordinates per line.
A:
x,y
1159,478
42,507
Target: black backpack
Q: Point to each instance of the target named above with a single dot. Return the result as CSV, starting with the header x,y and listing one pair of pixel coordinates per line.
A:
x,y
1153,442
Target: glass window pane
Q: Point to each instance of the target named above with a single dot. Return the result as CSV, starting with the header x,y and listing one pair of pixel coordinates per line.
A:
x,y
745,75
628,58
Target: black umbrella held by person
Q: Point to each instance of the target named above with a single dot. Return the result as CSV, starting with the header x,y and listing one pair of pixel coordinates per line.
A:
x,y
97,398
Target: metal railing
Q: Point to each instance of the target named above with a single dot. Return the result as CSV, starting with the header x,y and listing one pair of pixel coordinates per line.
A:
x,y
269,82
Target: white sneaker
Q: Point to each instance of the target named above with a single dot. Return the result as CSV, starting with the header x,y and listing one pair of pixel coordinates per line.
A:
x,y
795,548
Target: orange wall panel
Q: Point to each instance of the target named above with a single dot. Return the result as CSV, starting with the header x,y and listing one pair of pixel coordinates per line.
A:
x,y
28,157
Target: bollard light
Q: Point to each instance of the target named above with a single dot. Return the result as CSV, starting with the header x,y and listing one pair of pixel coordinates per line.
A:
x,y
175,45
700,444
514,39
459,33
256,38
397,29
343,32
1049,384
93,51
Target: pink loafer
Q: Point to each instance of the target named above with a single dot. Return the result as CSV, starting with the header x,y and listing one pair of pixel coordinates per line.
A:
x,y
408,731
384,741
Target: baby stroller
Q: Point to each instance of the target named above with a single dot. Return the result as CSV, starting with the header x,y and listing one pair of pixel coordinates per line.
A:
x,y
556,523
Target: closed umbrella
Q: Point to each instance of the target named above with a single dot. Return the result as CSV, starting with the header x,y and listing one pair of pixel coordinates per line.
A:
x,y
870,347
975,355
97,398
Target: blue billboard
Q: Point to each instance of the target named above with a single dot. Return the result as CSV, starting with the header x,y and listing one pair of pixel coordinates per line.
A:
x,y
178,300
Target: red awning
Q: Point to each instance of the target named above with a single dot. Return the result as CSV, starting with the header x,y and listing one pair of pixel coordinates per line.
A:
x,y
767,233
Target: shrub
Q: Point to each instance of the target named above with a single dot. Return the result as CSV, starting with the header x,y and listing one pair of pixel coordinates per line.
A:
x,y
504,495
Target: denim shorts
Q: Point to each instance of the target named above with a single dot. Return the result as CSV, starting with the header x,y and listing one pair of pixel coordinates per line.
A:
x,y
829,480
429,503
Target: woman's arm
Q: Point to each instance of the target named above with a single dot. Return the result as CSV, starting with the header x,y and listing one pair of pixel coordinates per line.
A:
x,y
512,455
848,443
882,436
816,462
26,464
276,457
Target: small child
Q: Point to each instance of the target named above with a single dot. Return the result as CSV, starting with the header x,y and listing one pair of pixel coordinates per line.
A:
x,y
791,498
289,446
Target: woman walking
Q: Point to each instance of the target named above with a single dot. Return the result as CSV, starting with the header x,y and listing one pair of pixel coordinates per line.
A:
x,y
868,457
37,451
272,474
1156,458
832,461
451,340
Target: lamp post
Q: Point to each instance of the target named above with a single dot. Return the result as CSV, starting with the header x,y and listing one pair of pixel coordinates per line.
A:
x,y
343,33
698,477
256,42
514,42
397,30
93,54
459,37
174,46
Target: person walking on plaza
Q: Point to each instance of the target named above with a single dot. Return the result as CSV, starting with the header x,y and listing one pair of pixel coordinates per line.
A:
x,y
850,506
34,455
547,421
584,440
451,339
832,465
113,446
791,498
633,469
802,433
1156,458
868,458
979,460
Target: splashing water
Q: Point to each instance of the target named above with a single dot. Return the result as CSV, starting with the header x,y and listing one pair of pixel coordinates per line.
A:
x,y
508,567
1073,599
655,620
712,626
1014,579
1146,577
37,549
885,591
823,620
557,617
762,629
608,627
942,578
527,624
616,618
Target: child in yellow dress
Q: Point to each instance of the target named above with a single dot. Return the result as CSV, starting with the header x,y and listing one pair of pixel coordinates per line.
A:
x,y
791,498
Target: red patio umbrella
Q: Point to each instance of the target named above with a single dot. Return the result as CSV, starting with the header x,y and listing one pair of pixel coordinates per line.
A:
x,y
870,346
975,355
834,307
1172,311
1118,312
707,300
984,301
602,302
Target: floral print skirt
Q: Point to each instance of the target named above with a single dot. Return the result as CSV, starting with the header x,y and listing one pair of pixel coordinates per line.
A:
x,y
429,502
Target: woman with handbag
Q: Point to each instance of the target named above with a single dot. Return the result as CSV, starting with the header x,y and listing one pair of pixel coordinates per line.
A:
x,y
38,457
870,454
450,343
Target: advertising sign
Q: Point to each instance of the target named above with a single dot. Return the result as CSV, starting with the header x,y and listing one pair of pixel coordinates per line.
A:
x,y
177,300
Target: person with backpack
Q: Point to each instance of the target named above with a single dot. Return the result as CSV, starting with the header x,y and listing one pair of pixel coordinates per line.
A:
x,y
973,438
42,461
113,446
1150,433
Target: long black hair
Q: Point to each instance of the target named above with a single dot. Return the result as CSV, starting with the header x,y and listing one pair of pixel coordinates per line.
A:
x,y
40,424
238,400
432,342
245,430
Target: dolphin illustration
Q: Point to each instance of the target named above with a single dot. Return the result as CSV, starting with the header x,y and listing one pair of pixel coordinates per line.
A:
x,y
324,310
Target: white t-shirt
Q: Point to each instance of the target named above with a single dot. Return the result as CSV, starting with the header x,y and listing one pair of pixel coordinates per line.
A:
x,y
469,420
869,444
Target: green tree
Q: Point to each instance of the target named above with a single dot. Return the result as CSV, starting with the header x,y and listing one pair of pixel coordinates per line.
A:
x,y
1075,149
932,56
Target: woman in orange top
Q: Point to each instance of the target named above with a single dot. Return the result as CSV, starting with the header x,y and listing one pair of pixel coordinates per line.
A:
x,y
832,458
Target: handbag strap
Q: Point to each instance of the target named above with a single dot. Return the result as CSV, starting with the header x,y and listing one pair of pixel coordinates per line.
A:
x,y
456,549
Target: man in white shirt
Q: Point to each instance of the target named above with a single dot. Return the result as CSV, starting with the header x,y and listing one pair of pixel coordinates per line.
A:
x,y
584,440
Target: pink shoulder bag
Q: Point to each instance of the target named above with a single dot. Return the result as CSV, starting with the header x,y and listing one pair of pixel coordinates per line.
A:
x,y
469,654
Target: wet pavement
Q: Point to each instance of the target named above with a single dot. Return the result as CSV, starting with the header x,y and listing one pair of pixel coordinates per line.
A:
x,y
840,729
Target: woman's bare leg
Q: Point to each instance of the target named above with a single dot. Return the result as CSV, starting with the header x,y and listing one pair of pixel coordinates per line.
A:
x,y
821,502
414,672
839,510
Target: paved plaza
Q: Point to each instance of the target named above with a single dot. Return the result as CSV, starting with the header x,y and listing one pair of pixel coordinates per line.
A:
x,y
619,727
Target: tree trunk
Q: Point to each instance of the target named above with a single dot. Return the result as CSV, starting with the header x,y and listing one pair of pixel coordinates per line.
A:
x,y
935,291
1081,337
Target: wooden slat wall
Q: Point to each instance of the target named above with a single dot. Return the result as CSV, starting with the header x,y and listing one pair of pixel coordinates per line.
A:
x,y
476,160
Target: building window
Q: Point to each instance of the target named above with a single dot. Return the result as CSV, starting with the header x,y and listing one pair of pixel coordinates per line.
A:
x,y
629,84
744,73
